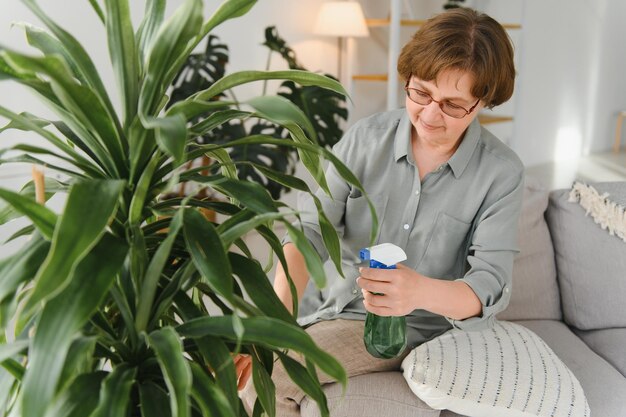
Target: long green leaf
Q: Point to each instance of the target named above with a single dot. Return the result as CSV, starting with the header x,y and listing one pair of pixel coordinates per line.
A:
x,y
310,385
153,273
217,355
243,77
80,398
60,321
250,194
267,332
241,228
264,387
191,108
90,207
115,392
166,344
215,119
170,42
7,385
171,134
207,253
29,122
49,45
42,217
80,358
82,60
214,351
154,401
311,160
10,350
17,269
138,201
329,236
314,264
258,287
211,399
152,19
79,100
123,52
227,10
282,112
95,5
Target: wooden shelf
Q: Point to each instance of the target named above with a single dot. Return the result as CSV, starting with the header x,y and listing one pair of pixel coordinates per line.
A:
x,y
414,22
370,77
486,119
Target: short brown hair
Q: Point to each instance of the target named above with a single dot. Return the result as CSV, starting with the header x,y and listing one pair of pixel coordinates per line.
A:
x,y
465,40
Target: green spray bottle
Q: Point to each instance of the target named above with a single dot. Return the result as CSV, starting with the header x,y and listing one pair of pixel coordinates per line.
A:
x,y
384,336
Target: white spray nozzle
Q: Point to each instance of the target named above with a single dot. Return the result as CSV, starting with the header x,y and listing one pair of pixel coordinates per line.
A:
x,y
385,253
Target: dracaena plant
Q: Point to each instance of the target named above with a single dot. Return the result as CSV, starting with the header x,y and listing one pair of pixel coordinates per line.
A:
x,y
104,310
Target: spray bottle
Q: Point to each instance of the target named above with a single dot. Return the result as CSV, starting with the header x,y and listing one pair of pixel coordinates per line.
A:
x,y
384,337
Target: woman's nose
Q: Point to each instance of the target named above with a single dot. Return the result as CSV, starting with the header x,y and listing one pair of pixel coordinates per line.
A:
x,y
432,109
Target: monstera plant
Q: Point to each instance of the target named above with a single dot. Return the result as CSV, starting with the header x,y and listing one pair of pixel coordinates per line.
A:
x,y
105,310
323,108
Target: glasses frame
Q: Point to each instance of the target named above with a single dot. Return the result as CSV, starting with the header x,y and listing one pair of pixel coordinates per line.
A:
x,y
440,102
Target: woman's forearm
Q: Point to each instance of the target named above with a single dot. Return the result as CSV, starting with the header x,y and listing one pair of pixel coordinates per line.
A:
x,y
298,273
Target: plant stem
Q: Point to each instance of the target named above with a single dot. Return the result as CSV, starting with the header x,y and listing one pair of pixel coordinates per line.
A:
x,y
267,68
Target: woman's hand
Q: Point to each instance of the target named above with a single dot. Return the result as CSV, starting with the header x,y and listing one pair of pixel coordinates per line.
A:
x,y
243,368
389,292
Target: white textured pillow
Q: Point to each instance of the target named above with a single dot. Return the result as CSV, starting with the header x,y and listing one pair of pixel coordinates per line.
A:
x,y
500,372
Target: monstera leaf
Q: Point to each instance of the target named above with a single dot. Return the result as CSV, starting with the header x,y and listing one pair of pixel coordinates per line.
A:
x,y
277,44
201,70
323,108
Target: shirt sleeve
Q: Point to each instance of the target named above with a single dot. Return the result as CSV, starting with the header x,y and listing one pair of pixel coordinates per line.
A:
x,y
492,251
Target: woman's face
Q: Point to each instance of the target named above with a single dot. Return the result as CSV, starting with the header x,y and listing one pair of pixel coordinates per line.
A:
x,y
429,122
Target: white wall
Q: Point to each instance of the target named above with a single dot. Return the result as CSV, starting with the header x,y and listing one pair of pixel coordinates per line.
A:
x,y
572,78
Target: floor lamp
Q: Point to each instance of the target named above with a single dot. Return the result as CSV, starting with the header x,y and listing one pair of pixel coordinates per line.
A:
x,y
345,20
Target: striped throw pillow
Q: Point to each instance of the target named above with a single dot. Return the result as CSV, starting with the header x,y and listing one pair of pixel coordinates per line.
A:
x,y
504,371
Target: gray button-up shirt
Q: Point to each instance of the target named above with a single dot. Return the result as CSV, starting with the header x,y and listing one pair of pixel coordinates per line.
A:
x,y
458,223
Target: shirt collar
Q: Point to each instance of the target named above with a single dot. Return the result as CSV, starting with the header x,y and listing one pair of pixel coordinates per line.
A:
x,y
458,162
461,157
402,141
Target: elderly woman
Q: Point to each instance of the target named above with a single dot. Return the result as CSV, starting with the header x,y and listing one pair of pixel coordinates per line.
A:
x,y
445,190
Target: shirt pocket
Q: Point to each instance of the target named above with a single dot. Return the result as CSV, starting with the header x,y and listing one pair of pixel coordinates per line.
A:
x,y
445,252
358,222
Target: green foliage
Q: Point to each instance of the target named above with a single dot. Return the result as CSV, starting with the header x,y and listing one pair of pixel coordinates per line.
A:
x,y
104,310
321,110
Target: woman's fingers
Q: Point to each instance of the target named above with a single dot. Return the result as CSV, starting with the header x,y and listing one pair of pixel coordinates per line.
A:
x,y
243,367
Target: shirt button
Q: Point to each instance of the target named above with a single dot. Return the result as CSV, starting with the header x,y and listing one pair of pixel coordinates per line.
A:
x,y
506,289
406,227
417,193
354,291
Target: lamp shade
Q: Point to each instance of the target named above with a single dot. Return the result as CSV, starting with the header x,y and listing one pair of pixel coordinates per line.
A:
x,y
341,18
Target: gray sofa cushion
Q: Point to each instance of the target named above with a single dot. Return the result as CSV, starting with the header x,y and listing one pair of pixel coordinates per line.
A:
x,y
591,264
371,395
535,293
604,386
608,343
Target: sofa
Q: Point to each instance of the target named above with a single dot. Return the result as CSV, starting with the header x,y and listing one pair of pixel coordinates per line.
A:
x,y
569,288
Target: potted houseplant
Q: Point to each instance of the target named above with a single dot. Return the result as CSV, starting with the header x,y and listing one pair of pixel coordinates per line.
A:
x,y
103,310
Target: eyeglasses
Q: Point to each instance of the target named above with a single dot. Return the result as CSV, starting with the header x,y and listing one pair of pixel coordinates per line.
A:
x,y
424,99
